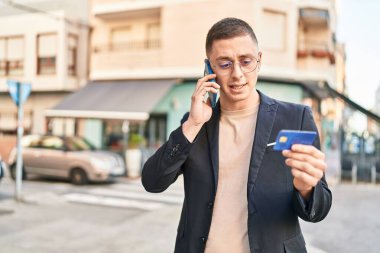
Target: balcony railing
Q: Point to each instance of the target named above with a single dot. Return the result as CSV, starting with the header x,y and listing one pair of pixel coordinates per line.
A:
x,y
11,67
316,49
141,45
314,17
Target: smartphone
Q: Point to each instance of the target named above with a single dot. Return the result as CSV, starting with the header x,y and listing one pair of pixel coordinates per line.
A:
x,y
208,71
286,138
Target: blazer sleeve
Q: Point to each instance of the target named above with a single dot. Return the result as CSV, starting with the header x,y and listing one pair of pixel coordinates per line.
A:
x,y
319,204
164,167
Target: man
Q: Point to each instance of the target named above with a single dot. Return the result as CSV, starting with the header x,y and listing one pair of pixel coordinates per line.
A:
x,y
240,194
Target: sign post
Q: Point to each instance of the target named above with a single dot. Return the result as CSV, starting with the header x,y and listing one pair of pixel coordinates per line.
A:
x,y
19,93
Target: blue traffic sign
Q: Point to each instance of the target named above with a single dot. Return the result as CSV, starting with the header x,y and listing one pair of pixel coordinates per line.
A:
x,y
19,91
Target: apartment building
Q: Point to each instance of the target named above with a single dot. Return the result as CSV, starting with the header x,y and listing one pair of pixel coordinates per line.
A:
x,y
149,54
44,43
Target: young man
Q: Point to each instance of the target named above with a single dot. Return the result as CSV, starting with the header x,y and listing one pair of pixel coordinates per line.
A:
x,y
240,194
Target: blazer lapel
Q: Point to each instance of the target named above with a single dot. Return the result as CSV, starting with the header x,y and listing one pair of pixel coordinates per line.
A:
x,y
265,120
212,130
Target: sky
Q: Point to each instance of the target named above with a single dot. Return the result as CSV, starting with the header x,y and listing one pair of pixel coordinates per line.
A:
x,y
358,28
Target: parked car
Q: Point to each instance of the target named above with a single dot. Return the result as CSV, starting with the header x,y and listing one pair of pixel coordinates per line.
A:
x,y
73,158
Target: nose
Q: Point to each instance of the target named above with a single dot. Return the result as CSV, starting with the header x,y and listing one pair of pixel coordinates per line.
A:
x,y
237,72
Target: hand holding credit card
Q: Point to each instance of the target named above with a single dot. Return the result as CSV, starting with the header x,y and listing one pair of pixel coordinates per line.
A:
x,y
286,138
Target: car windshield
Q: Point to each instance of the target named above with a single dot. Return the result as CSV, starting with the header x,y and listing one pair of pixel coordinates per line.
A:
x,y
78,144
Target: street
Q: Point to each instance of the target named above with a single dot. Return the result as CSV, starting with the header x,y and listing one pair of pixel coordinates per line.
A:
x,y
56,216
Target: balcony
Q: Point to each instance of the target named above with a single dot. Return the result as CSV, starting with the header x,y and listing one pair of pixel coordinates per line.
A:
x,y
130,56
316,49
129,46
118,9
314,17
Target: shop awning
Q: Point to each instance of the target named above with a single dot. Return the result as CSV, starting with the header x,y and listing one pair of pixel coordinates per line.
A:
x,y
354,105
124,100
322,90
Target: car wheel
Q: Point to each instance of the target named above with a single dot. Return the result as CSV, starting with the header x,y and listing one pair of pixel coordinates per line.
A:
x,y
78,177
12,169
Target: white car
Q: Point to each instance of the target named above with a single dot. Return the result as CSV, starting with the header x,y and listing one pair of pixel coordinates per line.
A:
x,y
72,158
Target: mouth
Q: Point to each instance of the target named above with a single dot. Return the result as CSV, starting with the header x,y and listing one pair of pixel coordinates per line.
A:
x,y
237,86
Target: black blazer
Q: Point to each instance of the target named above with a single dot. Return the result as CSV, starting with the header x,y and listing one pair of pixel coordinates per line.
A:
x,y
273,204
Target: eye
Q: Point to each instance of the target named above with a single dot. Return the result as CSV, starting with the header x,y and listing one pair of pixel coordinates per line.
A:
x,y
225,64
246,62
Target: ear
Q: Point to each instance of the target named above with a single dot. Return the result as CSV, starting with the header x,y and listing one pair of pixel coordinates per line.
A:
x,y
259,63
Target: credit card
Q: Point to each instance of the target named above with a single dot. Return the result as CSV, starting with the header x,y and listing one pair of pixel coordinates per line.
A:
x,y
286,138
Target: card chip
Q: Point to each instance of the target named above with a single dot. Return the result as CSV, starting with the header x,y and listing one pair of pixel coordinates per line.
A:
x,y
283,139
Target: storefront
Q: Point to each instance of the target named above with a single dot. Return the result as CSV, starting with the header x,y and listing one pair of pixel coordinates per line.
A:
x,y
113,115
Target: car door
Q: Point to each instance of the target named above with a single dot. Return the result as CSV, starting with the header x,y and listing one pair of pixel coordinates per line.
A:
x,y
49,158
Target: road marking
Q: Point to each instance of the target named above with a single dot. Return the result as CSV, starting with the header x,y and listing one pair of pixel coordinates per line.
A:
x,y
109,201
140,188
170,199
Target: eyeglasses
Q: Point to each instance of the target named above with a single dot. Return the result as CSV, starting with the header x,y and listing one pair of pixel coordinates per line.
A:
x,y
225,67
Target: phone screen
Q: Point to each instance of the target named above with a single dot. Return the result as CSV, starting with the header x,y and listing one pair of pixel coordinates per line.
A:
x,y
208,70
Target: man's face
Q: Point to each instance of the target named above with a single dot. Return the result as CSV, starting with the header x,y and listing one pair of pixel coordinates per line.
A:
x,y
236,63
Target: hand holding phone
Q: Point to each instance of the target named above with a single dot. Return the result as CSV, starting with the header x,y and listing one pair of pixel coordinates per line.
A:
x,y
286,138
208,70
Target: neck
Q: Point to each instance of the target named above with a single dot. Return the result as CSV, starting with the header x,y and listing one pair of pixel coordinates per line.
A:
x,y
250,102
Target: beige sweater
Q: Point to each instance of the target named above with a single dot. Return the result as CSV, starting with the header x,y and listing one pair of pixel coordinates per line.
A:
x,y
229,231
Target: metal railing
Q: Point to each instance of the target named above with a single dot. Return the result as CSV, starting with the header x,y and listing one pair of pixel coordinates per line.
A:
x,y
317,49
128,46
374,174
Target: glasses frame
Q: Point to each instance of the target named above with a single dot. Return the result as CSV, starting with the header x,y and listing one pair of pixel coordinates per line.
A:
x,y
233,67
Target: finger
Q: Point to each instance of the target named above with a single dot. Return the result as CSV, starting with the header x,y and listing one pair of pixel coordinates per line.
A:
x,y
205,79
308,149
208,84
318,163
304,178
305,167
211,84
202,92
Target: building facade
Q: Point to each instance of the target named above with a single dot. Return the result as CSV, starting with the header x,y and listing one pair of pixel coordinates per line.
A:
x,y
44,43
152,40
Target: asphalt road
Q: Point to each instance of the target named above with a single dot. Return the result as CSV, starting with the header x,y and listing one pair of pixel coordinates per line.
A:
x,y
56,216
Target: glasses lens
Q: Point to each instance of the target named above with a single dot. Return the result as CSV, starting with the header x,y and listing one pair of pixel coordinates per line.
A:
x,y
225,67
248,65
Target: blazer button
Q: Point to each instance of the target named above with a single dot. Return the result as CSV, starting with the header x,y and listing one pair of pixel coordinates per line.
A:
x,y
203,239
210,205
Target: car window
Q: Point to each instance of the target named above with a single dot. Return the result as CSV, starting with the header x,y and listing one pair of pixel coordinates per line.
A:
x,y
31,141
78,144
51,142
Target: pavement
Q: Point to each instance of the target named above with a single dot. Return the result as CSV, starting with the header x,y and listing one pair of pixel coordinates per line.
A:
x,y
57,217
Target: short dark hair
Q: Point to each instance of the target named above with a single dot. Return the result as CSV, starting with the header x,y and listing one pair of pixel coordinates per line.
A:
x,y
228,28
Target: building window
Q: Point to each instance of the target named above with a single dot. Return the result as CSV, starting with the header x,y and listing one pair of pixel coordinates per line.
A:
x,y
11,56
46,54
275,22
72,55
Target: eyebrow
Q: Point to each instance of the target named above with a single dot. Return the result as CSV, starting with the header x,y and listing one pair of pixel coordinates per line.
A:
x,y
240,56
